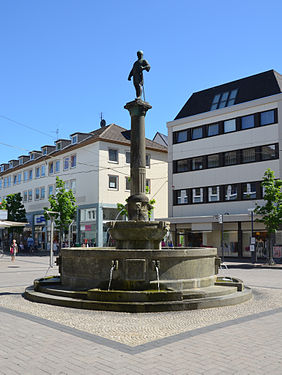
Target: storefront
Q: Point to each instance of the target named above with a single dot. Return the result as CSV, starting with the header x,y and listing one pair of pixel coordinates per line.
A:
x,y
40,230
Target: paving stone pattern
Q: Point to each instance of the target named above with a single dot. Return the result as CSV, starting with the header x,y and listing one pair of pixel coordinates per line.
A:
x,y
39,339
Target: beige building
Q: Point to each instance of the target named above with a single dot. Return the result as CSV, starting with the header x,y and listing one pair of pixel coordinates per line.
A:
x,y
96,166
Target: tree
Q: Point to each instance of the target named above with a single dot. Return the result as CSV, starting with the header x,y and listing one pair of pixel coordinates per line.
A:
x,y
63,202
16,211
271,211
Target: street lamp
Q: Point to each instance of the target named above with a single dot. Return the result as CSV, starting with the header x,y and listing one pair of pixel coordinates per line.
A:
x,y
51,216
253,240
220,221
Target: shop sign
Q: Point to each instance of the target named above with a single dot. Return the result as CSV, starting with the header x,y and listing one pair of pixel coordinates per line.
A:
x,y
277,251
88,227
39,220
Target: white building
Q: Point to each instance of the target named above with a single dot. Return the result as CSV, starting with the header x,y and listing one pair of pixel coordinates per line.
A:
x,y
220,144
96,166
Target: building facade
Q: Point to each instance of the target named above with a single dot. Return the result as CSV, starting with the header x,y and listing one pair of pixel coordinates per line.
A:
x,y
220,144
96,167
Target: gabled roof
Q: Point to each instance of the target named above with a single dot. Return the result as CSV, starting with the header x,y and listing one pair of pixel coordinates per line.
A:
x,y
249,88
161,138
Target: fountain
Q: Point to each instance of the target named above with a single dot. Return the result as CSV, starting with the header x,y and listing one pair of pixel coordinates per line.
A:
x,y
143,277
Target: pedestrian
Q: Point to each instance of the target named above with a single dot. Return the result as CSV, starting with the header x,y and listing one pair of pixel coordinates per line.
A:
x,y
13,250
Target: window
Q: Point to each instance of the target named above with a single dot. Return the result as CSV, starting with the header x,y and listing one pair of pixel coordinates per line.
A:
x,y
67,185
267,117
182,165
213,129
37,172
19,178
213,161
57,166
45,151
181,136
31,156
127,157
5,182
30,195
248,155
74,139
197,195
148,186
148,160
181,196
268,152
224,99
230,158
213,194
229,126
25,196
42,170
66,163
30,174
21,161
51,167
9,180
36,195
2,168
113,182
73,161
15,179
25,176
58,146
113,155
231,192
197,133
232,97
1,182
197,163
247,122
127,183
50,190
73,186
249,191
42,192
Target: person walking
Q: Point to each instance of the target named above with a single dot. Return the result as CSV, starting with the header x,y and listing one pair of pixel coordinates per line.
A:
x,y
13,250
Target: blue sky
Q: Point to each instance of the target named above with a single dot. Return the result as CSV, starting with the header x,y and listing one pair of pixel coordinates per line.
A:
x,y
63,62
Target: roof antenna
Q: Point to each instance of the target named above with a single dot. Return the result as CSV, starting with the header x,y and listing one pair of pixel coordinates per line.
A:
x,y
102,122
57,133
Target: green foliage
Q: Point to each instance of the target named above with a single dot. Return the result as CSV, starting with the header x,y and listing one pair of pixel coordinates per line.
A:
x,y
62,201
16,211
271,211
3,205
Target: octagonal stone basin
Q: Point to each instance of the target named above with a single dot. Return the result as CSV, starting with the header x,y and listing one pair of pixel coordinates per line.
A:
x,y
179,269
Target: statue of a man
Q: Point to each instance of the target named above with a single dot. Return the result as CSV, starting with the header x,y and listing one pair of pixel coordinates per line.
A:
x,y
137,73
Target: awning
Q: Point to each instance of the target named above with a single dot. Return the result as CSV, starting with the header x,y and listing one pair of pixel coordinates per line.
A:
x,y
9,224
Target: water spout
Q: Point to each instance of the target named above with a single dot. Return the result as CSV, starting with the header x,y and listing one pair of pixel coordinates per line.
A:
x,y
156,266
113,267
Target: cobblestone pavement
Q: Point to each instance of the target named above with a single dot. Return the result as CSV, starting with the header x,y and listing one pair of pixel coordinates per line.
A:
x,y
41,339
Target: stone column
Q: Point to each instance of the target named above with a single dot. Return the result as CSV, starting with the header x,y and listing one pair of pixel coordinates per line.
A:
x,y
138,201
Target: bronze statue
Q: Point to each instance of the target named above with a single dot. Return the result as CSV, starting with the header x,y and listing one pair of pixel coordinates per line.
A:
x,y
137,73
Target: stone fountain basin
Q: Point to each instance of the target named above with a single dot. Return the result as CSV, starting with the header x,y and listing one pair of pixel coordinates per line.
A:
x,y
182,268
133,296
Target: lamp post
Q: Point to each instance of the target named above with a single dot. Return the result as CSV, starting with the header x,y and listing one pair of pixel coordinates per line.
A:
x,y
253,240
51,216
221,221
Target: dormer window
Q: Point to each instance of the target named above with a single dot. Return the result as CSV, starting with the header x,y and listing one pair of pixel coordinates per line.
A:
x,y
11,164
31,156
224,99
21,161
2,168
74,139
58,146
44,151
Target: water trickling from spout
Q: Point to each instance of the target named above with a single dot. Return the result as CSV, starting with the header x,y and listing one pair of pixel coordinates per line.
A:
x,y
158,277
111,276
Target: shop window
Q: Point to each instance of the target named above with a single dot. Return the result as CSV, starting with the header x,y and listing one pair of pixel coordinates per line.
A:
x,y
230,158
213,129
267,118
231,192
268,152
197,133
113,182
213,161
249,190
66,163
213,194
197,163
247,122
113,155
182,165
181,197
248,155
229,126
73,161
197,195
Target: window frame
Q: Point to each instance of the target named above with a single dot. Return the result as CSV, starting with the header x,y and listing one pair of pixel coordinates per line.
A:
x,y
116,177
